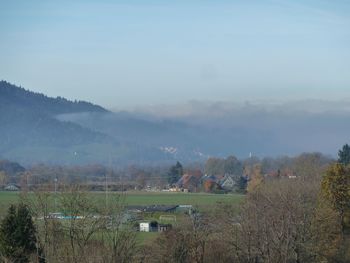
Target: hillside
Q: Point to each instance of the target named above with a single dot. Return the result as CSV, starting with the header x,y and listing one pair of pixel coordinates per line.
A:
x,y
19,99
35,128
28,124
30,131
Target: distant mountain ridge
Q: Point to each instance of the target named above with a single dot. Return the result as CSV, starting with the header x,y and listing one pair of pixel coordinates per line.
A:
x,y
20,98
29,130
33,130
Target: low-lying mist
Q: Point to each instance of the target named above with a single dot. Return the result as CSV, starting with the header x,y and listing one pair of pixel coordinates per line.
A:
x,y
222,128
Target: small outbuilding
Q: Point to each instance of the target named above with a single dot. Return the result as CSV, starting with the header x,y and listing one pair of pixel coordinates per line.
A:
x,y
154,227
164,227
149,226
11,187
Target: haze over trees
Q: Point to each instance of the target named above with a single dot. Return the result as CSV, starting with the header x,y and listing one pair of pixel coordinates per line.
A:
x,y
224,174
217,166
51,140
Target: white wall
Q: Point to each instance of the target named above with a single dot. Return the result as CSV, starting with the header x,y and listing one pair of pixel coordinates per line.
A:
x,y
144,227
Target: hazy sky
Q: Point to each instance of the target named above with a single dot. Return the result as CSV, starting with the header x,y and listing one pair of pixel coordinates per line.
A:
x,y
125,53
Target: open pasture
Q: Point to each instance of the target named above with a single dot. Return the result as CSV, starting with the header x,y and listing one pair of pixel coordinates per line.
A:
x,y
200,200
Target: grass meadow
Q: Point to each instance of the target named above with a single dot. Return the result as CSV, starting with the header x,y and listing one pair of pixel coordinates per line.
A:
x,y
200,200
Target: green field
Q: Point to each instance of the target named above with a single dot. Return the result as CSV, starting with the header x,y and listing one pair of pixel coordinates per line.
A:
x,y
201,200
143,238
168,198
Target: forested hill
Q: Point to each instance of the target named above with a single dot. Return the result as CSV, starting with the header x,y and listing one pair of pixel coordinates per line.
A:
x,y
18,98
31,131
36,128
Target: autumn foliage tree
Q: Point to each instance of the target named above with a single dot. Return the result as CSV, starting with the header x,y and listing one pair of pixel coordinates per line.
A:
x,y
3,178
336,188
336,191
256,178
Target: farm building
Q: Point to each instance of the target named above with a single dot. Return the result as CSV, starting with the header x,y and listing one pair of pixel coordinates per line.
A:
x,y
152,208
149,226
11,187
154,227
185,208
164,227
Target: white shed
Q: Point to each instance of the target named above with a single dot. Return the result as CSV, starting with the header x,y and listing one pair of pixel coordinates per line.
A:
x,y
149,226
144,227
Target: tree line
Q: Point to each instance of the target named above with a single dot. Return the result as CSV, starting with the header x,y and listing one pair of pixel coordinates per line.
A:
x,y
85,229
305,218
300,219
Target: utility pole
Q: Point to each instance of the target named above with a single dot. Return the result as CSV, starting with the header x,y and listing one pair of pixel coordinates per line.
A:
x,y
106,174
55,193
27,180
106,188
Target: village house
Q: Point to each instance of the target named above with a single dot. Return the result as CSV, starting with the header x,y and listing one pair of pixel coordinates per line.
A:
x,y
227,182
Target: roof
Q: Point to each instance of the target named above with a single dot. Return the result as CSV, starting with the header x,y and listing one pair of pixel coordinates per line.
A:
x,y
189,179
211,178
152,208
11,187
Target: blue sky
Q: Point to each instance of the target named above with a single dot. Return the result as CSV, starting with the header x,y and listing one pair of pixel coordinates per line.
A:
x,y
123,54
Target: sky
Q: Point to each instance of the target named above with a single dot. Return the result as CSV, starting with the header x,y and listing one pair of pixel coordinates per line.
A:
x,y
123,54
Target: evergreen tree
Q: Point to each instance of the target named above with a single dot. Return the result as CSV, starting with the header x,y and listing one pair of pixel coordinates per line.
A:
x,y
242,184
344,155
175,173
17,234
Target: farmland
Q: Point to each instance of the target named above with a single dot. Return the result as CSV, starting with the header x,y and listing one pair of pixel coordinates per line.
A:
x,y
200,200
203,201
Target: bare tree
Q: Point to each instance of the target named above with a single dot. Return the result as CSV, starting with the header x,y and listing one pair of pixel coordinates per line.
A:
x,y
186,242
75,226
119,237
280,222
83,221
